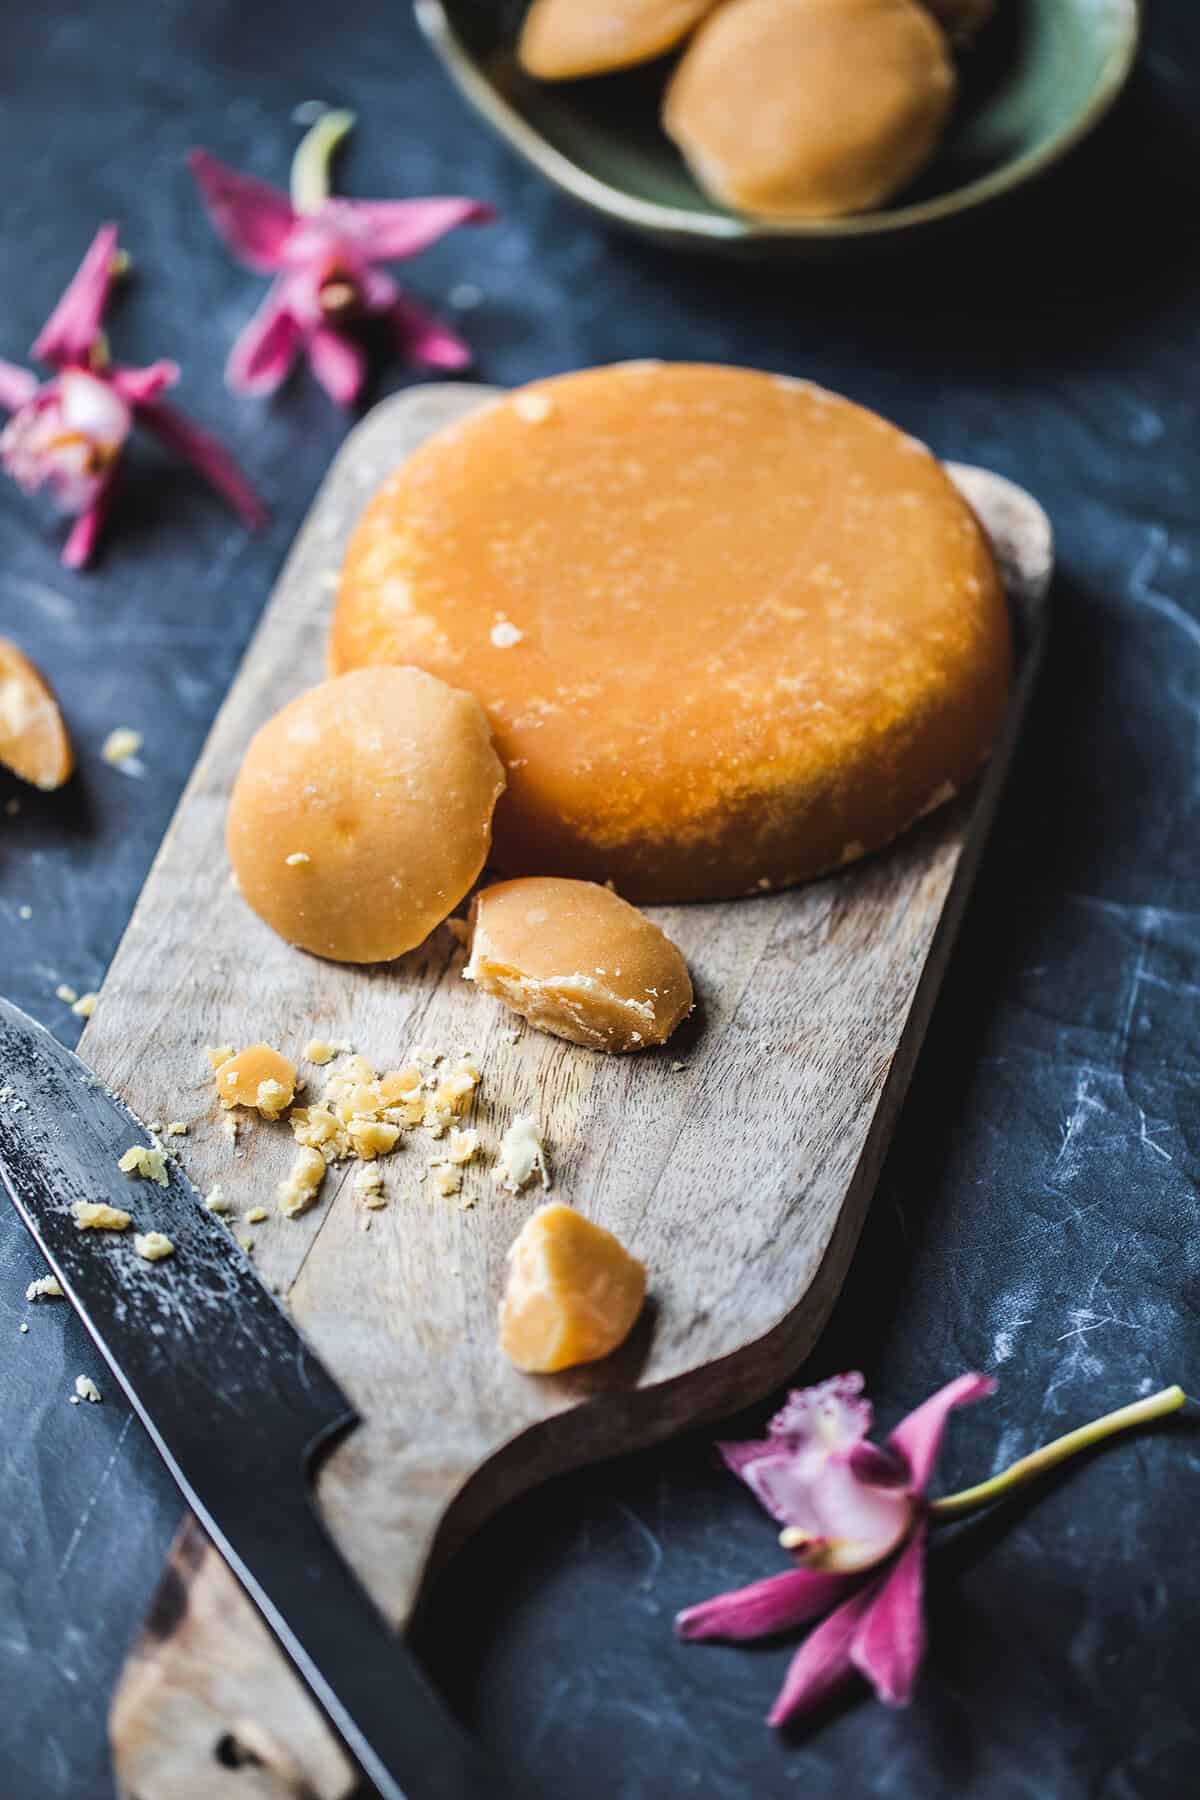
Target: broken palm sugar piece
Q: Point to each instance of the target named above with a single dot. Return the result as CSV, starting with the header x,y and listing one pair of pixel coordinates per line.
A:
x,y
574,1292
389,778
521,1156
33,739
217,1054
303,1183
97,1215
579,962
810,109
741,677
564,39
147,1161
260,1077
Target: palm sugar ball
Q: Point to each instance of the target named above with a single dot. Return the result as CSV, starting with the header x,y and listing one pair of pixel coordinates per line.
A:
x,y
808,109
362,813
563,39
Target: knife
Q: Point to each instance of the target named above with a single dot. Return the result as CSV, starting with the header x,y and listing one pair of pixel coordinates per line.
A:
x,y
235,1401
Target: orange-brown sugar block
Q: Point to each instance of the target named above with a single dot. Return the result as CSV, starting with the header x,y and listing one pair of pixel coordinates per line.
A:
x,y
574,1292
807,109
578,961
754,630
33,738
259,1076
362,813
562,39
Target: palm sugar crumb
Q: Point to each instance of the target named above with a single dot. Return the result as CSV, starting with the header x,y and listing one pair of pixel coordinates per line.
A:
x,y
215,1200
121,745
153,1245
256,1215
218,1054
368,1186
303,1183
85,1006
521,1156
145,1161
86,1389
44,1288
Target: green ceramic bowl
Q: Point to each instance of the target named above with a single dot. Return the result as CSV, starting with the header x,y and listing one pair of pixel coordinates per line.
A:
x,y
1035,81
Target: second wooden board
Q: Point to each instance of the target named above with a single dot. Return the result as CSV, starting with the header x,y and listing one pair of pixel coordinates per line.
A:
x,y
738,1163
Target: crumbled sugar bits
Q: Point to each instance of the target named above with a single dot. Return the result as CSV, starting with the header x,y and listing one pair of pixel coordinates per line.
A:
x,y
86,1389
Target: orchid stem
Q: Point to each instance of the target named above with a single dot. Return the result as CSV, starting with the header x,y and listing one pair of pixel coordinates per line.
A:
x,y
1154,1406
314,154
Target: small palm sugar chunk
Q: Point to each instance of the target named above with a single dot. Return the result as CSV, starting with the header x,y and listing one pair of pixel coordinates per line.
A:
x,y
33,739
579,962
563,39
809,109
574,1292
386,779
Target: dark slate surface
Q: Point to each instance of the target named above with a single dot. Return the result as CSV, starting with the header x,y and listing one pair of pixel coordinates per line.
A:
x,y
1038,1213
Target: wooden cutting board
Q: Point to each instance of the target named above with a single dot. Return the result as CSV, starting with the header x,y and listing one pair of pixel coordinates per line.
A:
x,y
738,1163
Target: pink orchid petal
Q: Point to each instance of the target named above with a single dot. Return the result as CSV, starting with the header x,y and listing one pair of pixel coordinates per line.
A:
x,y
140,386
764,1607
78,550
74,325
254,218
890,1642
832,1414
338,364
918,1438
203,451
861,1524
423,339
387,230
822,1663
17,386
263,354
876,1467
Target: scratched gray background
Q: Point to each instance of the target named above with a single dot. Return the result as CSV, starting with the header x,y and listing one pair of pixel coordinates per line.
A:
x,y
1037,1215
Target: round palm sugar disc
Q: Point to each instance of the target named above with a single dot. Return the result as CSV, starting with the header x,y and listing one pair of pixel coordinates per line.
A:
x,y
729,629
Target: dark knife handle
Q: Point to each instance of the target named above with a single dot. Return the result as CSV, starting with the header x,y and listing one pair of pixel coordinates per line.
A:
x,y
361,1673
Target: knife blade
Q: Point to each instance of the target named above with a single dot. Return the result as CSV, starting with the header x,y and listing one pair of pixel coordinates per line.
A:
x,y
235,1401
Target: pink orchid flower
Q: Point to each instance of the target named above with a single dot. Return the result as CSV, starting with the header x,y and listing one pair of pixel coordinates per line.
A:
x,y
67,434
856,1518
848,1507
323,252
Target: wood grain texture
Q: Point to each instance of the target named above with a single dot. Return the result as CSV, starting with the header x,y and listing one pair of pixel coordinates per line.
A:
x,y
741,1178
